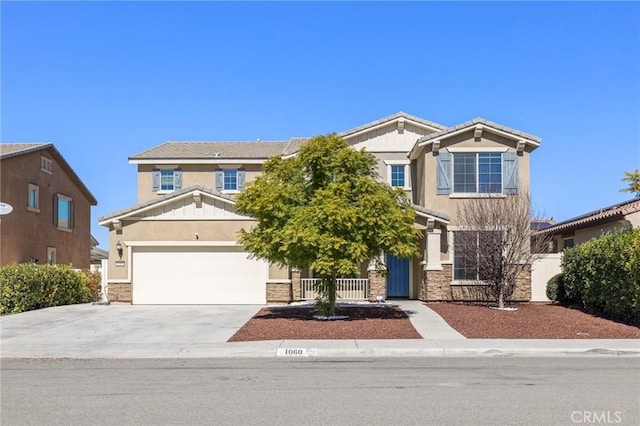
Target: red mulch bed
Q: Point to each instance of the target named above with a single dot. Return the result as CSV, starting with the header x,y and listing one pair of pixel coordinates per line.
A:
x,y
530,321
297,323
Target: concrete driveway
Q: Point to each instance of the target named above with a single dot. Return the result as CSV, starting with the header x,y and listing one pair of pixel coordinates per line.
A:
x,y
95,331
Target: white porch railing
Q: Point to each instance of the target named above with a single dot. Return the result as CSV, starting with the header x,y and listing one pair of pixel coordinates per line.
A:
x,y
347,288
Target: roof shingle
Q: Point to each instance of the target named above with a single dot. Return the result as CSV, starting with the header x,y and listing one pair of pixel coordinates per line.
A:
x,y
210,150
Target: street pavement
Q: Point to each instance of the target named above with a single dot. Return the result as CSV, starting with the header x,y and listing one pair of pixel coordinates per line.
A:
x,y
141,331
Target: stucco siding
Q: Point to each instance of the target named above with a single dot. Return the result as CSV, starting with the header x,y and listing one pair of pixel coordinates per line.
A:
x,y
427,170
26,234
192,174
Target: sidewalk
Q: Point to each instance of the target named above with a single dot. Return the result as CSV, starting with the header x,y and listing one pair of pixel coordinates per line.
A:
x,y
85,331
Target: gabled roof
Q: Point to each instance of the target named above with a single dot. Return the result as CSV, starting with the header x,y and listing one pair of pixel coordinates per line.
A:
x,y
467,125
10,150
390,118
603,215
120,214
195,150
296,143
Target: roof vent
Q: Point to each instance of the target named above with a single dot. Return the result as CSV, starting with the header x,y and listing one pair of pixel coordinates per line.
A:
x,y
216,154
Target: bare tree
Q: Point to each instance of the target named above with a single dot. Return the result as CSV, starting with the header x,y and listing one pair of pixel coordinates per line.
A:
x,y
493,244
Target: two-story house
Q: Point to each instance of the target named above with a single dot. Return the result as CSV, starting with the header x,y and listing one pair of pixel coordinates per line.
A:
x,y
51,217
179,243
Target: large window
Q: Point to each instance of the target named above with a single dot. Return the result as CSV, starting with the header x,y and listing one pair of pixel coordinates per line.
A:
x,y
475,252
477,173
63,212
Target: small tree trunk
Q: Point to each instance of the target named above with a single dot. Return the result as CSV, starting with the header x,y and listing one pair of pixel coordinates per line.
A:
x,y
332,293
501,298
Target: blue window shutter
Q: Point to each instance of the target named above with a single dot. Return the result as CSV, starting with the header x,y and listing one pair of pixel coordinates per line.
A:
x,y
510,172
219,180
177,179
155,180
240,179
445,160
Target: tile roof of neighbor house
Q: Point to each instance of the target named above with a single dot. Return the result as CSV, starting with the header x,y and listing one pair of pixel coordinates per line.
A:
x,y
605,214
208,150
163,198
482,121
9,150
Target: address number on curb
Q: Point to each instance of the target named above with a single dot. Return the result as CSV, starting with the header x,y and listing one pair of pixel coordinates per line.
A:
x,y
296,352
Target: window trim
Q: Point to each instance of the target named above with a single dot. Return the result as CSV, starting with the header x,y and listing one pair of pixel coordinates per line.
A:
x,y
71,213
50,251
46,165
407,174
36,189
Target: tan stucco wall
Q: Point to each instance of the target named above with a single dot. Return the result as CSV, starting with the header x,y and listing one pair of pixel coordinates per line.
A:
x,y
26,234
426,167
192,174
176,230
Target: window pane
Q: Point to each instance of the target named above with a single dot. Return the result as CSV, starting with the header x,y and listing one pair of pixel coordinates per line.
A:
x,y
64,213
33,198
397,176
490,173
166,180
230,180
465,255
464,173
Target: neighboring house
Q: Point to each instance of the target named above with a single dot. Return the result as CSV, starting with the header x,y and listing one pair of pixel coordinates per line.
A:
x,y
577,230
97,255
179,243
51,217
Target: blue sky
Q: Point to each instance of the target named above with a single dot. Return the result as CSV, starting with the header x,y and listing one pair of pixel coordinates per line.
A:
x,y
106,80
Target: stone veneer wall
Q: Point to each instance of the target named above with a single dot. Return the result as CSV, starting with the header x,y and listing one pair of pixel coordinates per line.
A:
x,y
436,286
377,285
296,285
119,292
278,292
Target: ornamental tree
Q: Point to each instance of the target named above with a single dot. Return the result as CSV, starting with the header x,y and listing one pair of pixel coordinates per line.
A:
x,y
495,244
326,209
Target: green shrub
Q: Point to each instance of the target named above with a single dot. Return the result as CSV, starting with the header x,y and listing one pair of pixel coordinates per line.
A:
x,y
25,287
603,275
555,288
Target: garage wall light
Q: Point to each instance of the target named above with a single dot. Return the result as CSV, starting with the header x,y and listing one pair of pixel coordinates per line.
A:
x,y
119,249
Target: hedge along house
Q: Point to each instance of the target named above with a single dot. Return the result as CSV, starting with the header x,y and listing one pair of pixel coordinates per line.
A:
x,y
179,243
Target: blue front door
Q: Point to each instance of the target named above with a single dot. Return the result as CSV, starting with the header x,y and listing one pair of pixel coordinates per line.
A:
x,y
397,277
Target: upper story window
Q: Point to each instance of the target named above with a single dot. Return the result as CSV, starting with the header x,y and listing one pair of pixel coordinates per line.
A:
x,y
230,180
33,198
166,180
63,212
397,173
468,173
477,172
46,165
398,176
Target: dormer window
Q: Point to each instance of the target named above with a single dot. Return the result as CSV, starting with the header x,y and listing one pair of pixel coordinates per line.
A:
x,y
46,165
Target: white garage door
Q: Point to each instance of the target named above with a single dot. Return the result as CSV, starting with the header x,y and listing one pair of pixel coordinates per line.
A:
x,y
197,276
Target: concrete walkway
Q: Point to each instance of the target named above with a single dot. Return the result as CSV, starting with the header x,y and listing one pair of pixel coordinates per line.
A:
x,y
125,331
